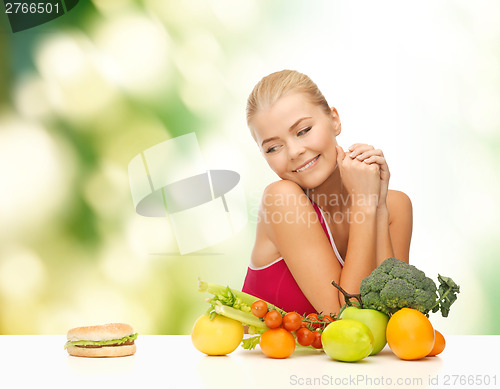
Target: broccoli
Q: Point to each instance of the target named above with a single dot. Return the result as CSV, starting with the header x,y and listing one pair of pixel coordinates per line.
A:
x,y
397,293
395,284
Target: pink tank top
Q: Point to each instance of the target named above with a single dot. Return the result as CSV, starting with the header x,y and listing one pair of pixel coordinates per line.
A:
x,y
275,284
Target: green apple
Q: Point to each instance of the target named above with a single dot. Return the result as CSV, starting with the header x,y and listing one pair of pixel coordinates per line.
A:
x,y
375,320
347,340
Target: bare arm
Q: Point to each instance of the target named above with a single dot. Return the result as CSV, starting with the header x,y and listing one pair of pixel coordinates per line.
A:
x,y
401,222
362,181
292,225
394,211
360,258
384,241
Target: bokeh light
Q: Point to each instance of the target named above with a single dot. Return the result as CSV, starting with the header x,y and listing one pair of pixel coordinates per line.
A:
x,y
31,97
134,52
112,6
69,64
22,274
106,191
36,172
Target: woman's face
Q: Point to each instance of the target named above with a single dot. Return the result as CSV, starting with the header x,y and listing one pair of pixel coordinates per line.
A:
x,y
297,139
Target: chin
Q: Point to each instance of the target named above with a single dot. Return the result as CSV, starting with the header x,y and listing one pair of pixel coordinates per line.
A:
x,y
311,182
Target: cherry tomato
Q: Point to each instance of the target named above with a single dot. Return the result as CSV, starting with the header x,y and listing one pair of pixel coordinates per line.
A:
x,y
273,319
313,317
277,343
327,318
317,340
305,337
259,308
292,321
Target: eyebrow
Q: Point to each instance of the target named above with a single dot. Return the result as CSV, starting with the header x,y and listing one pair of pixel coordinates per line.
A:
x,y
290,129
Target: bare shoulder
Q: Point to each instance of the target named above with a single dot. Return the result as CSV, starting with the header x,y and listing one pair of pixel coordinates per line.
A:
x,y
283,186
398,203
282,214
283,194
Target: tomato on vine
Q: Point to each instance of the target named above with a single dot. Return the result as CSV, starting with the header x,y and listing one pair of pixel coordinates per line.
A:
x,y
292,321
317,340
305,336
259,308
273,319
314,321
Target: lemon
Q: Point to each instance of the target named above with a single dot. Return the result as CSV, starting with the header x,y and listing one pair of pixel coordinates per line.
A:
x,y
219,336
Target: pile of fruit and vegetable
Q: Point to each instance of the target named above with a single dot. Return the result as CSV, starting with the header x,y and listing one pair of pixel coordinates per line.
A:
x,y
392,308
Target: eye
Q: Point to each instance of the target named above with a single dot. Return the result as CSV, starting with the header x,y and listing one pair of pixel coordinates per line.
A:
x,y
272,149
304,131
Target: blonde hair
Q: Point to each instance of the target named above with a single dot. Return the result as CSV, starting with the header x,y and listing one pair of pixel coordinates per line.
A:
x,y
275,85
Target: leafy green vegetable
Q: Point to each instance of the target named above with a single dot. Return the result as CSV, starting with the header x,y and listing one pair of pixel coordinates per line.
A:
x,y
250,343
447,290
234,304
241,316
230,297
394,284
125,339
226,295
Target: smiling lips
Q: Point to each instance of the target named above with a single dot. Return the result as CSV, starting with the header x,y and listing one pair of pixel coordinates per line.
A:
x,y
307,165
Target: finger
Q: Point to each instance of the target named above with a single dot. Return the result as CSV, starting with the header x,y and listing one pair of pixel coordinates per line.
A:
x,y
373,167
352,147
375,159
382,163
366,154
360,149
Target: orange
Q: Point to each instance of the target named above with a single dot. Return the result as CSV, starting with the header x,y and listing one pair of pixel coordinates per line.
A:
x,y
439,344
277,343
410,334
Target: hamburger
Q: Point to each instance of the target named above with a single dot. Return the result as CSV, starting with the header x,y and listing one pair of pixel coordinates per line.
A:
x,y
108,340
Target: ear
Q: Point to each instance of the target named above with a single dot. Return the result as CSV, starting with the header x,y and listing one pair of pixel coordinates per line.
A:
x,y
336,121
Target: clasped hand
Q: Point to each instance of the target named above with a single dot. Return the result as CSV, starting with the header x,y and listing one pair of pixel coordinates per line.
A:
x,y
364,172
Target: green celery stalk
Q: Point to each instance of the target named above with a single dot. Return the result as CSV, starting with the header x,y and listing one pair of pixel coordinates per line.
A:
x,y
245,298
215,289
243,317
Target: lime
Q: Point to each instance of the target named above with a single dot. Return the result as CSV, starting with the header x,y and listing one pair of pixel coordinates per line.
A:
x,y
347,340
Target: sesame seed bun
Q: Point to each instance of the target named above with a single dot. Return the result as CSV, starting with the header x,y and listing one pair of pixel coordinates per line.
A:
x,y
101,332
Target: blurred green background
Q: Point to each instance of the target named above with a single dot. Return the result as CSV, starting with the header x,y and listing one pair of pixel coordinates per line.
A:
x,y
82,95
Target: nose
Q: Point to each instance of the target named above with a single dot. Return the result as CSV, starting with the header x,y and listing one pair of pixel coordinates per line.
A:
x,y
295,149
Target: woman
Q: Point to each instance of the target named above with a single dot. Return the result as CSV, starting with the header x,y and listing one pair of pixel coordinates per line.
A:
x,y
331,216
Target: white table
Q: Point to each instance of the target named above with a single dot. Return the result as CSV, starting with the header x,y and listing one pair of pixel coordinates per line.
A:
x,y
40,361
